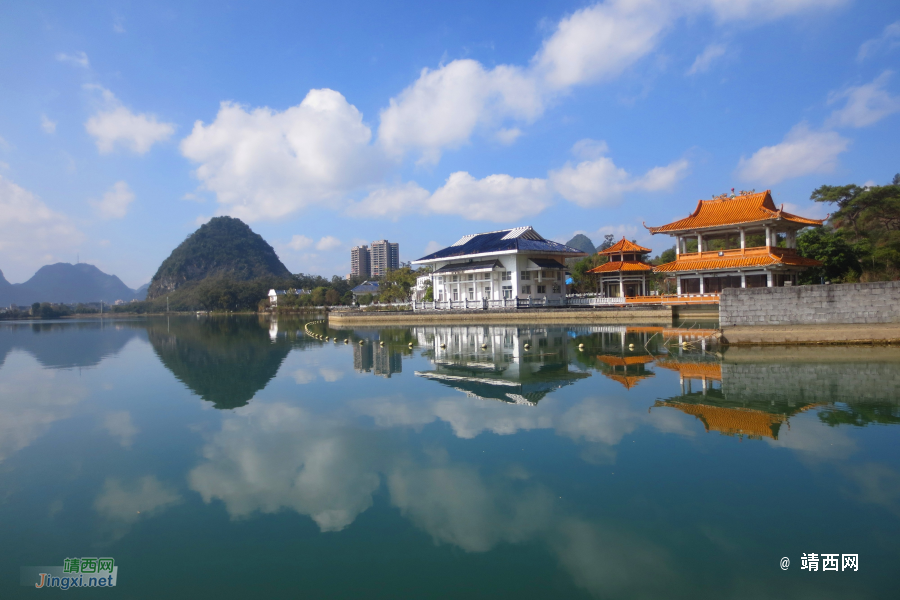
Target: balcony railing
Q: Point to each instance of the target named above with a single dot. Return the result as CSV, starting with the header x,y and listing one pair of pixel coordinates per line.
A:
x,y
738,253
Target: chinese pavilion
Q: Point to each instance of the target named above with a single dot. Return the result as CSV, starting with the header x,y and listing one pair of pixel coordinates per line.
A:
x,y
625,275
737,241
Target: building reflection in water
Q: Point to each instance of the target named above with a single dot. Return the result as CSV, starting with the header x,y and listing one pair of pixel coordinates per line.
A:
x,y
492,362
382,360
702,396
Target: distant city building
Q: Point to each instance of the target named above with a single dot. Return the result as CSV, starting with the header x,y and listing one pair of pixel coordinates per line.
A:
x,y
360,262
384,257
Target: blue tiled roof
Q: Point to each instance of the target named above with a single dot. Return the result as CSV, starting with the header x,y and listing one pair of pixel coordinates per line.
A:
x,y
494,242
366,287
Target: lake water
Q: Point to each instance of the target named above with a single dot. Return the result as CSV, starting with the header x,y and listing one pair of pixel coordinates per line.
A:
x,y
242,458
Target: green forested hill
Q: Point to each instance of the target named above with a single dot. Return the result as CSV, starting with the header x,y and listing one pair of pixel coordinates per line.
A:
x,y
223,247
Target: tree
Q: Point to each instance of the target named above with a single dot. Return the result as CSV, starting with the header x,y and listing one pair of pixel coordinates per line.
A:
x,y
332,297
829,247
35,309
365,299
318,296
397,285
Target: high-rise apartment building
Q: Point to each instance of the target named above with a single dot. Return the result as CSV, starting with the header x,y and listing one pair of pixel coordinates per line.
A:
x,y
360,261
385,257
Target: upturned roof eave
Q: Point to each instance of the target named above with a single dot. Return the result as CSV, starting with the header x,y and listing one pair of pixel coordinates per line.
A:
x,y
424,260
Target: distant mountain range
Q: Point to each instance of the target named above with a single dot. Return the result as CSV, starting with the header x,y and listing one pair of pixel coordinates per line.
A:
x,y
68,284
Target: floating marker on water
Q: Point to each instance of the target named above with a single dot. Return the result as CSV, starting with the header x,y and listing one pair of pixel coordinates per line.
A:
x,y
381,343
360,342
346,341
483,346
581,346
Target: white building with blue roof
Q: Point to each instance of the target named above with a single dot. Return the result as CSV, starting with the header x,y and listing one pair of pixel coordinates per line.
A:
x,y
507,264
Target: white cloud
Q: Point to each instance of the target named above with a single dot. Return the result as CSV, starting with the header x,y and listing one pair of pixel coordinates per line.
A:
x,y
79,59
600,182
588,149
394,201
265,164
508,136
119,425
706,58
599,42
444,106
328,243
47,125
129,502
888,40
114,204
299,242
802,152
30,232
766,10
115,125
866,104
431,247
499,198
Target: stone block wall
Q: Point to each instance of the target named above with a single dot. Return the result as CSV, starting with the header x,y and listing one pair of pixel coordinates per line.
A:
x,y
847,303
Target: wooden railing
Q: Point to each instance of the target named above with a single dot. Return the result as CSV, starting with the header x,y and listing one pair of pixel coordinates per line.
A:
x,y
675,299
737,253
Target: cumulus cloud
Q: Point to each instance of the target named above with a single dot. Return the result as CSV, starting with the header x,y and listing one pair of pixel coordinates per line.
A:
x,y
114,125
866,104
265,164
30,232
802,152
443,107
499,198
706,58
47,125
599,42
599,182
114,204
300,242
123,504
888,40
79,59
329,242
765,10
120,426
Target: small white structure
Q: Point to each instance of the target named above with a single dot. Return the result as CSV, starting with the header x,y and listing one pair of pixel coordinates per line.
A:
x,y
274,294
500,265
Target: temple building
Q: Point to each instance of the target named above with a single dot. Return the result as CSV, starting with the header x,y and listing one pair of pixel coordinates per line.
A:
x,y
625,275
627,370
737,241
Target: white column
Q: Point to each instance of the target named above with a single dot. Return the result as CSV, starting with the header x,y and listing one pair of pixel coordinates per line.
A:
x,y
743,279
701,283
621,286
677,245
768,236
699,242
678,285
743,239
770,281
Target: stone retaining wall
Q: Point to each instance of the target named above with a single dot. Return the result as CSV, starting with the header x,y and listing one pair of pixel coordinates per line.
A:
x,y
856,303
631,315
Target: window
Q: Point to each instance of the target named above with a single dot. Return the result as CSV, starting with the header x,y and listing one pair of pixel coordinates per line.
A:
x,y
506,276
440,280
542,289
471,293
470,277
456,293
507,292
486,276
440,295
455,278
487,292
556,289
526,289
559,275
526,275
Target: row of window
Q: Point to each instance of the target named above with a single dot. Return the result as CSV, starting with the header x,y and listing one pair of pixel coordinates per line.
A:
x,y
504,276
506,290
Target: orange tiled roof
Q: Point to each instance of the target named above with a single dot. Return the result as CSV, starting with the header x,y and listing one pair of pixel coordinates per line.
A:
x,y
693,369
749,208
624,245
732,421
624,361
614,266
774,256
629,381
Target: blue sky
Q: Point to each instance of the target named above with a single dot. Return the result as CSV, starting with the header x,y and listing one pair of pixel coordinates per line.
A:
x,y
125,125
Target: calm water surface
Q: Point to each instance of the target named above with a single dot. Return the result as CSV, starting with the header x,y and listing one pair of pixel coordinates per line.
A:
x,y
241,458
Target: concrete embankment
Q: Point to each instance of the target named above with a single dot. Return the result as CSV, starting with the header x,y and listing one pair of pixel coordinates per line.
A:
x,y
549,316
853,313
